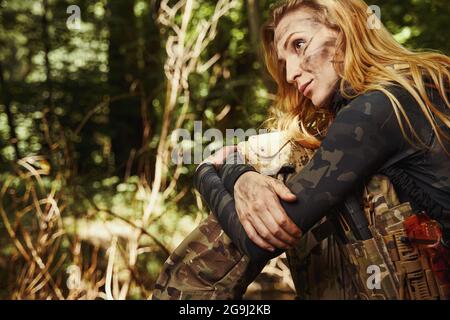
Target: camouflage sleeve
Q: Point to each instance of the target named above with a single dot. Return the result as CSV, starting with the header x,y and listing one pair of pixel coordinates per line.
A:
x,y
217,198
363,136
208,182
232,169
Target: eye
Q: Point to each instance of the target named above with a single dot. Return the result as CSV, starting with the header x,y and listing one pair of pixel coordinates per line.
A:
x,y
298,44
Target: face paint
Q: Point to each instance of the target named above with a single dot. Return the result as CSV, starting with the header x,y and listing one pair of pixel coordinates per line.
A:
x,y
309,68
315,59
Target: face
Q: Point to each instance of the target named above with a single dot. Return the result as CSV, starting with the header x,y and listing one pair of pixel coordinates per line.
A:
x,y
307,48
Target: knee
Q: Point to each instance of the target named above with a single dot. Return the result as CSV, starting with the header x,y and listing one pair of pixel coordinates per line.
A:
x,y
164,289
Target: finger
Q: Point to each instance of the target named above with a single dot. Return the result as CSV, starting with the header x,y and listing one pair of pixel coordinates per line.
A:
x,y
265,233
251,232
253,235
283,220
282,191
276,229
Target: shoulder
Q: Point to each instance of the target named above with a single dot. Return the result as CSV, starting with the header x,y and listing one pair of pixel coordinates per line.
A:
x,y
376,108
365,124
369,104
369,118
370,109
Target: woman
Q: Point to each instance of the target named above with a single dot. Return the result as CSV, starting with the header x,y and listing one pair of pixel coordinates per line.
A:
x,y
367,104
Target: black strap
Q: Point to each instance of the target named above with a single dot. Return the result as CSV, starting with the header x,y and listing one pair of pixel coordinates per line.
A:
x,y
323,230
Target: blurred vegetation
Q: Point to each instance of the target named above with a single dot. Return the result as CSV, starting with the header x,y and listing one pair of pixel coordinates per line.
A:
x,y
89,204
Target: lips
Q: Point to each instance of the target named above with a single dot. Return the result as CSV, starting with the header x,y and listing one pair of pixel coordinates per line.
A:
x,y
304,86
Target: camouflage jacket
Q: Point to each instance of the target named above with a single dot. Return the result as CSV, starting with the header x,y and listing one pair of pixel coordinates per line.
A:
x,y
364,139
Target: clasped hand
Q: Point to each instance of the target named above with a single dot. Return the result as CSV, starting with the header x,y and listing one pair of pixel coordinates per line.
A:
x,y
257,199
258,206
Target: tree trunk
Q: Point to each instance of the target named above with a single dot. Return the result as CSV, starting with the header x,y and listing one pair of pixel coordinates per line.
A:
x,y
6,98
125,124
254,21
47,48
153,81
49,117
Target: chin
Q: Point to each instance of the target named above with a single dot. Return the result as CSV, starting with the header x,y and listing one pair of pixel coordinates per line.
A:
x,y
320,100
317,101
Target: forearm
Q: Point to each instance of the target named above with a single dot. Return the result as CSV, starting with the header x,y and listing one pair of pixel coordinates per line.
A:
x,y
208,182
362,138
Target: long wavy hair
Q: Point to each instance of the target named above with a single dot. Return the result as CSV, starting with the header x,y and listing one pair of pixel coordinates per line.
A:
x,y
366,59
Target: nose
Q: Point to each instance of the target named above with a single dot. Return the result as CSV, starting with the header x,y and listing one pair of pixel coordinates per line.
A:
x,y
293,69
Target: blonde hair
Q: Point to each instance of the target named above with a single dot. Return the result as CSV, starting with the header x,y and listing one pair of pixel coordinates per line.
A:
x,y
366,60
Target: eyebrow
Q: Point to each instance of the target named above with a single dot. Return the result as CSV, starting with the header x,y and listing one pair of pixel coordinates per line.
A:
x,y
287,27
287,41
289,38
300,20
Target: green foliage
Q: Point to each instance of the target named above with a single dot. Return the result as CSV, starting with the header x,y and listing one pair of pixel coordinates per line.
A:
x,y
101,98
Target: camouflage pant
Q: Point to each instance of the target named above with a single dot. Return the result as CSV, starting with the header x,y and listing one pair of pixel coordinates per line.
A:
x,y
207,265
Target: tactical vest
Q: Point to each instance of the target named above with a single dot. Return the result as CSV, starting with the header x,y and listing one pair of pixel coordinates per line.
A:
x,y
402,256
393,252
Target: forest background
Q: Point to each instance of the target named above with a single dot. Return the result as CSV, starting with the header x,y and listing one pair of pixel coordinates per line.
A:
x,y
90,91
